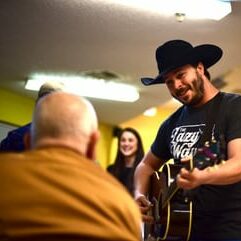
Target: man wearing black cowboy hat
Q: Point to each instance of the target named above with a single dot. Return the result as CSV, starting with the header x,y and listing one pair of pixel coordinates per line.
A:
x,y
206,116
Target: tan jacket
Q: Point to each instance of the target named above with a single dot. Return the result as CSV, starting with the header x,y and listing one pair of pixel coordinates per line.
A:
x,y
57,194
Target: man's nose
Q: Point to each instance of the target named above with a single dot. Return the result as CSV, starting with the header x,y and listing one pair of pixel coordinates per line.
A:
x,y
177,84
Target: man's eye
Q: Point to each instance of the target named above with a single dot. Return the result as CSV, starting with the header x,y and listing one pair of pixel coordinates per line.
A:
x,y
180,75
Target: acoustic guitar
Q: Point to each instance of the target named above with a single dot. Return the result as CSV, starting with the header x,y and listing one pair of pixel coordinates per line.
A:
x,y
172,206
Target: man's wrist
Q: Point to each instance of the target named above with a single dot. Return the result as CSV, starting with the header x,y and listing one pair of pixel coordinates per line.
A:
x,y
138,194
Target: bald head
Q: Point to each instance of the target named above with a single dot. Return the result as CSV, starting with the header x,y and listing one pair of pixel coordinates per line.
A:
x,y
63,119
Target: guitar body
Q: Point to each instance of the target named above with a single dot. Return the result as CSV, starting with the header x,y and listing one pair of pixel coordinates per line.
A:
x,y
173,218
172,207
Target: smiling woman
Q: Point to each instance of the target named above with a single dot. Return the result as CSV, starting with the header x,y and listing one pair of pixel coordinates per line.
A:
x,y
129,153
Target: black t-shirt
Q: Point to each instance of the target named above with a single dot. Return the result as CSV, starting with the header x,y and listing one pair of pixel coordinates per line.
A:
x,y
216,209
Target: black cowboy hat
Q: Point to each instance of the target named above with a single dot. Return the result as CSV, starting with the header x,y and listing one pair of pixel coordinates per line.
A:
x,y
177,53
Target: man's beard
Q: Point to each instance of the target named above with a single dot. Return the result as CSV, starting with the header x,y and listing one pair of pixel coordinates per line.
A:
x,y
198,87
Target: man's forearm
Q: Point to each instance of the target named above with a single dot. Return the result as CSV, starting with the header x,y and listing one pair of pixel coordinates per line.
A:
x,y
142,179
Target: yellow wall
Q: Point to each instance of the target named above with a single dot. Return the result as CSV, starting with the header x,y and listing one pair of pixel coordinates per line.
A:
x,y
17,110
104,144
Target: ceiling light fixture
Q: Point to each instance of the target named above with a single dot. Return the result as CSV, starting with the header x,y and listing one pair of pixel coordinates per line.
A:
x,y
88,87
150,112
195,9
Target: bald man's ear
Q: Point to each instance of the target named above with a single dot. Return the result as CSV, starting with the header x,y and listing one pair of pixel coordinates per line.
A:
x,y
27,140
91,149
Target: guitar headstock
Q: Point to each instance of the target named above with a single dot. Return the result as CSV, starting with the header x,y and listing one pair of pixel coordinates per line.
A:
x,y
208,155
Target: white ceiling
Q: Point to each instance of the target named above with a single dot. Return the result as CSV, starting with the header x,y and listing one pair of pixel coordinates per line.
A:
x,y
72,36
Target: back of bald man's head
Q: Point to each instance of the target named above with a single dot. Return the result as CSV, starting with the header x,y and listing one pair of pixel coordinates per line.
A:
x,y
63,119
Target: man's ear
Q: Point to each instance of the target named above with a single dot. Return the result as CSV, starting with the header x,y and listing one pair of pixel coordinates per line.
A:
x,y
200,68
27,140
91,148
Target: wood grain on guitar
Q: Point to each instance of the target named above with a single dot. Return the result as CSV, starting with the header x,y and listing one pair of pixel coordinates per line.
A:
x,y
172,207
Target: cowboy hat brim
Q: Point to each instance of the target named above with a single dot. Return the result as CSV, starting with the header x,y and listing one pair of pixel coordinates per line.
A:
x,y
207,54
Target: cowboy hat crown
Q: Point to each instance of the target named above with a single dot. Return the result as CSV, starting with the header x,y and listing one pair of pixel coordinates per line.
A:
x,y
176,53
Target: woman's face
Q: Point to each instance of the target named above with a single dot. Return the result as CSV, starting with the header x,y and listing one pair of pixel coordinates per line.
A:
x,y
128,144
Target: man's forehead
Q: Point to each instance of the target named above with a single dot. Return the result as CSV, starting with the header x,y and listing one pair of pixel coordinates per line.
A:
x,y
175,71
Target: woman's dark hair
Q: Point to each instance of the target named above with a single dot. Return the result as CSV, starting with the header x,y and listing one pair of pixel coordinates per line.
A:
x,y
119,163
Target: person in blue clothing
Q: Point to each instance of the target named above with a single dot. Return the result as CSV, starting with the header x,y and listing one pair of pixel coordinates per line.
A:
x,y
16,139
207,115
